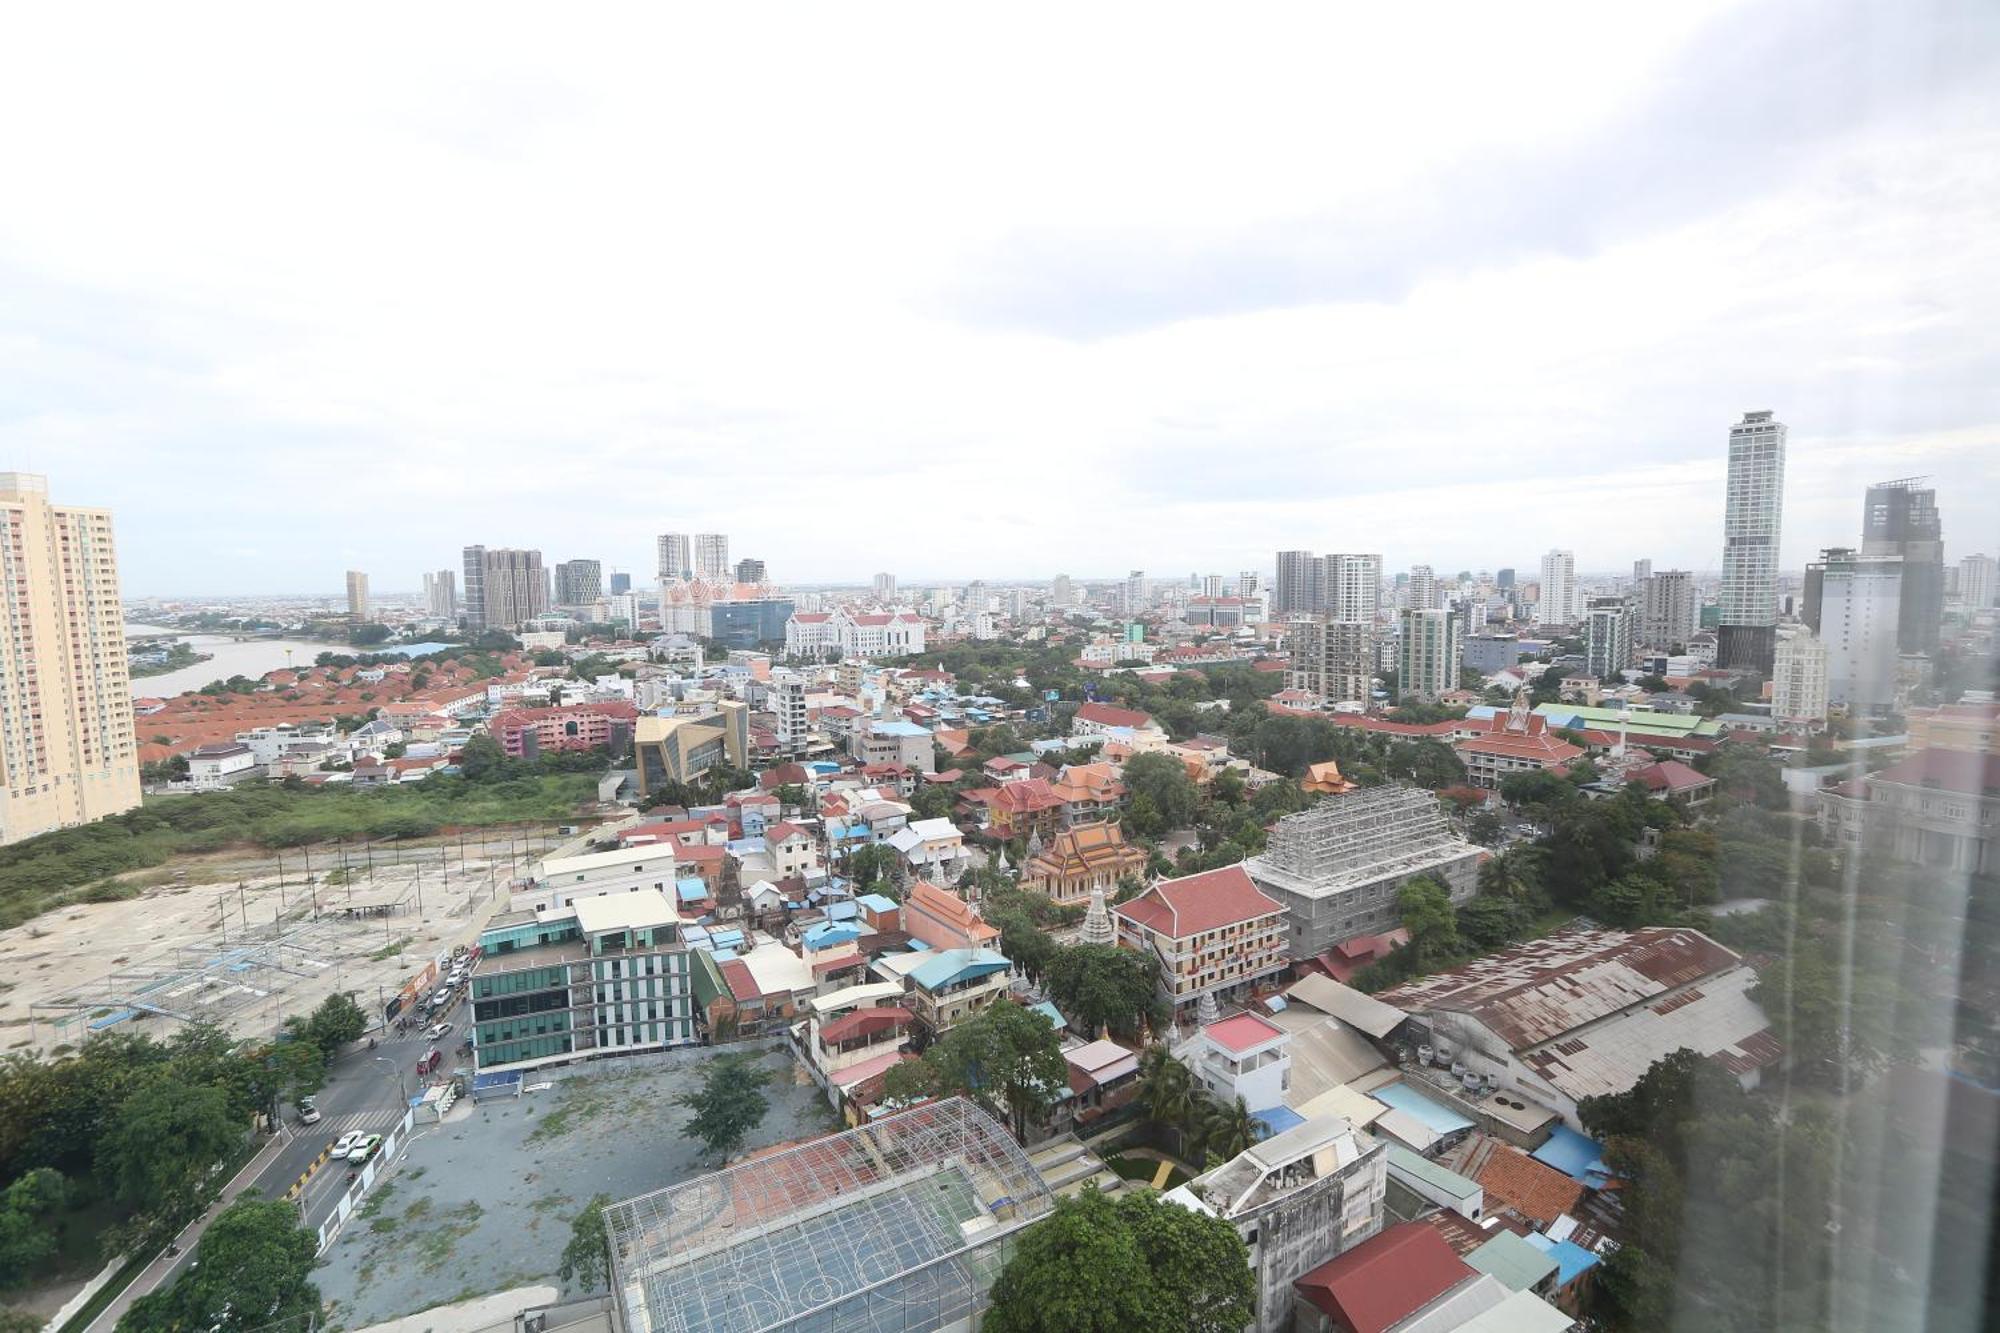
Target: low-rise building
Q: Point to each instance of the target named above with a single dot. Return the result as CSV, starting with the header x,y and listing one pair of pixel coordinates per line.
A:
x,y
952,985
1242,1056
526,732
1082,859
1297,1199
932,849
1338,866
1938,808
559,881
1516,741
601,976
1585,1012
680,749
215,767
1213,934
942,919
1108,721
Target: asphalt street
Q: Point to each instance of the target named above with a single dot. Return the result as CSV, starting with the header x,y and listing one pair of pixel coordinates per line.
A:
x,y
366,1091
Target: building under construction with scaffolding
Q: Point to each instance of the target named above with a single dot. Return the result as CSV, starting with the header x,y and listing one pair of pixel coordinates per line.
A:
x,y
1338,866
899,1225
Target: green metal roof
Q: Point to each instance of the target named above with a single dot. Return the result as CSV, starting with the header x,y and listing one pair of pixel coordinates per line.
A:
x,y
1437,1177
1512,1260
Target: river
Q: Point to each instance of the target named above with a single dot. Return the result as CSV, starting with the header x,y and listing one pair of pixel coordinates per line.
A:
x,y
227,657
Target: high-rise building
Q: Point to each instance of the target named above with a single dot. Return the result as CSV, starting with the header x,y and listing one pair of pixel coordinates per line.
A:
x,y
68,751
1900,519
357,596
579,582
1504,579
1297,591
1333,659
1135,592
1559,603
1641,571
885,587
1753,509
620,582
1423,590
786,701
1211,586
1246,583
676,558
1667,610
1427,652
1608,642
1799,679
624,607
711,556
1854,602
503,587
1351,587
749,570
441,594
1978,580
1060,590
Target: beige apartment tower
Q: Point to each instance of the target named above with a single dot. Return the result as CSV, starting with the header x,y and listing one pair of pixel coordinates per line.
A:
x,y
68,753
357,596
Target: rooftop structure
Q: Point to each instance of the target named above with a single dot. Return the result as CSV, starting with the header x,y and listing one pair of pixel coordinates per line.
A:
x,y
1587,1011
1336,866
895,1225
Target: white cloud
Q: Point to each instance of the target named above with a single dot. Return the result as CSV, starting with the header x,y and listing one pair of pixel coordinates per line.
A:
x,y
904,290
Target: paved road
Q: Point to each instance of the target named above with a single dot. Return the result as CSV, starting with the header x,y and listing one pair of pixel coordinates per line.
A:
x,y
367,1091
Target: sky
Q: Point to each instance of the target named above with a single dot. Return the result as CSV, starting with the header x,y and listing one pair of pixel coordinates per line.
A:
x,y
961,292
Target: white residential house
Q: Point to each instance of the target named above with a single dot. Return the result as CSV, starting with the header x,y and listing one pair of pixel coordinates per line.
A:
x,y
793,850
1244,1056
213,767
932,849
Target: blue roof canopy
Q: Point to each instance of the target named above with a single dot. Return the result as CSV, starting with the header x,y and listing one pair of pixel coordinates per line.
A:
x,y
957,965
1572,1260
1575,1155
1435,1116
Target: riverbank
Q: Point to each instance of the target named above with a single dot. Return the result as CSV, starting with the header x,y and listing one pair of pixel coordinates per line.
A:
x,y
180,656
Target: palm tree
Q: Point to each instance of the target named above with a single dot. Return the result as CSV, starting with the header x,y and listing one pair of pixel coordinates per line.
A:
x,y
1228,1129
1168,1092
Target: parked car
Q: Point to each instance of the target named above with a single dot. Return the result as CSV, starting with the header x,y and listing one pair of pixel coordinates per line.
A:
x,y
431,1061
364,1149
345,1143
438,1031
308,1112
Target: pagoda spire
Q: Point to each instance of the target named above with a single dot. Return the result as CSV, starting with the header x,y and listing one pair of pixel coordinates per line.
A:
x,y
1097,920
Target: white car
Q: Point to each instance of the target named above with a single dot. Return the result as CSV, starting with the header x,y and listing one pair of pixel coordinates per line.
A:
x,y
364,1148
438,1030
345,1143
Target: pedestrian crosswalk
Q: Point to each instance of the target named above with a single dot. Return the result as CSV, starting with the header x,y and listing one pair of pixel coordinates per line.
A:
x,y
332,1127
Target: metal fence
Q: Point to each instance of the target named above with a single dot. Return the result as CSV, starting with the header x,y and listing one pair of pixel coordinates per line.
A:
x,y
371,1171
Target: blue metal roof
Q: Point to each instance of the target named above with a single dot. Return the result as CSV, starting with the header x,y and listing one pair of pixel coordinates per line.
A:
x,y
875,902
842,911
1575,1155
1572,1260
898,727
1435,1116
691,890
829,933
1277,1119
495,1078
957,964
1048,1010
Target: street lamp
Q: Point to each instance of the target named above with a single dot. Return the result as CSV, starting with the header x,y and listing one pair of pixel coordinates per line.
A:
x,y
402,1083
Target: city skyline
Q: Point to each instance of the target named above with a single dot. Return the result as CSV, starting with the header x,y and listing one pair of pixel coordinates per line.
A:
x,y
1455,320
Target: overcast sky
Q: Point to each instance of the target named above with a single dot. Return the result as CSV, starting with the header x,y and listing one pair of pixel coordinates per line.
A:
x,y
1077,288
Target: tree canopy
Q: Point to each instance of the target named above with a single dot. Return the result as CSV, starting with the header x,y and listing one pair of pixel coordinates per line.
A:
x,y
1006,1058
1137,1265
729,1104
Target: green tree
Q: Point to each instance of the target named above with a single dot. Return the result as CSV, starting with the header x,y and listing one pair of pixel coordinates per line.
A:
x,y
26,1240
1227,1129
251,1270
1426,912
1103,987
335,1023
873,869
164,1141
1078,1270
932,801
793,795
586,1260
1163,781
729,1104
298,1068
1168,1093
1007,1058
482,759
1202,1280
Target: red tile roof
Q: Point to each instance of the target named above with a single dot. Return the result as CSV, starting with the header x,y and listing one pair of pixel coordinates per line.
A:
x,y
1199,903
1240,1032
1385,1279
741,983
1108,715
1965,771
1512,1179
1672,775
864,1023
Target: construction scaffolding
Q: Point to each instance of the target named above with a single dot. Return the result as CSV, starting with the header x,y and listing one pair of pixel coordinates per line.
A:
x,y
898,1225
1338,867
1358,837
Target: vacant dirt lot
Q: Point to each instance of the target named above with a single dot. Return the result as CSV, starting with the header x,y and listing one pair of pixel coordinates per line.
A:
x,y
485,1202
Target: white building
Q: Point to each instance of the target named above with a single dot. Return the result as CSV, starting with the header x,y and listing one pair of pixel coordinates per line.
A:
x,y
1978,580
1561,603
1243,1055
561,881
1858,614
1427,653
1668,614
1609,642
786,699
1422,593
1799,680
213,767
878,634
711,557
1752,511
1353,586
